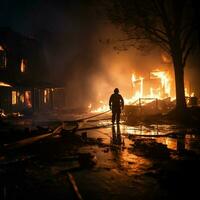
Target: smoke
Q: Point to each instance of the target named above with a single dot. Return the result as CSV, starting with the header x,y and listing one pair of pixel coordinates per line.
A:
x,y
192,73
78,48
90,69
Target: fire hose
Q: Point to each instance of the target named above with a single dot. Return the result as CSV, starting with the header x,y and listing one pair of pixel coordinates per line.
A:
x,y
93,116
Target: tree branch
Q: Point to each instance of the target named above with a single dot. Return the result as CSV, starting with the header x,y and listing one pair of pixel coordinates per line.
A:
x,y
186,39
187,52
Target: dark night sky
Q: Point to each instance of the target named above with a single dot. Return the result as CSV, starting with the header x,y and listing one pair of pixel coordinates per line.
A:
x,y
27,15
70,31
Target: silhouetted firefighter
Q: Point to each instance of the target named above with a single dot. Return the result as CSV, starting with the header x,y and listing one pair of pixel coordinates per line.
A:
x,y
116,103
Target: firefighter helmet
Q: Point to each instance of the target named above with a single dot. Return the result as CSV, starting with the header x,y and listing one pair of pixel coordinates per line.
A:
x,y
116,90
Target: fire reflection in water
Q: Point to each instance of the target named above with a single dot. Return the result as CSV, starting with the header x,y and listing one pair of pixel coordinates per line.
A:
x,y
124,159
175,139
116,136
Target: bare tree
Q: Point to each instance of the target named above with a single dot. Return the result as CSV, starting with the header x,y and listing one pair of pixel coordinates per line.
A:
x,y
166,23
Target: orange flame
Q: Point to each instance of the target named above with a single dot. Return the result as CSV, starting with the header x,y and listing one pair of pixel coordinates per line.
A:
x,y
161,91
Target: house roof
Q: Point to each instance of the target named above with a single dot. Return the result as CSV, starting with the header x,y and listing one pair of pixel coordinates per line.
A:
x,y
34,84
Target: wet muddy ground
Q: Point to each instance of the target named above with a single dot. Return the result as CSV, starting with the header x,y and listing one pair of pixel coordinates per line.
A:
x,y
111,162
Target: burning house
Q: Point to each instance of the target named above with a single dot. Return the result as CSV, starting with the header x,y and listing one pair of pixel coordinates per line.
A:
x,y
23,77
152,92
155,94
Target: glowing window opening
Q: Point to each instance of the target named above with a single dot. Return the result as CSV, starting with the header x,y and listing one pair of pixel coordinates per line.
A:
x,y
14,97
21,98
46,96
27,99
23,65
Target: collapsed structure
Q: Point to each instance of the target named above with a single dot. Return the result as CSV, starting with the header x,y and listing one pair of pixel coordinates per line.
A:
x,y
153,93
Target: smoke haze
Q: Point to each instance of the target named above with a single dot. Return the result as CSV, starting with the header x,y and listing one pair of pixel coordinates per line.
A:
x,y
78,48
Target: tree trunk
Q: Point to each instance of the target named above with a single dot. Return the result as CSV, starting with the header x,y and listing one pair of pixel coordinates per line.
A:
x,y
180,91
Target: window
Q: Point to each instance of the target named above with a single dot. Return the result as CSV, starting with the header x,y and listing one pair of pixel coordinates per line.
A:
x,y
14,97
23,65
46,95
21,98
3,61
27,99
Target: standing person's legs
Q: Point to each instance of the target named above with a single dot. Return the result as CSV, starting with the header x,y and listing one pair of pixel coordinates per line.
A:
x,y
118,116
113,116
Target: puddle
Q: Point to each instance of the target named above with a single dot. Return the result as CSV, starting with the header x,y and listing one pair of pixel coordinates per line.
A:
x,y
121,138
119,173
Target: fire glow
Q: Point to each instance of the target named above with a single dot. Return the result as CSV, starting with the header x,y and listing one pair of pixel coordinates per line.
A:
x,y
4,84
160,91
159,86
